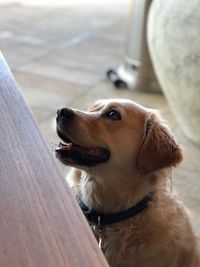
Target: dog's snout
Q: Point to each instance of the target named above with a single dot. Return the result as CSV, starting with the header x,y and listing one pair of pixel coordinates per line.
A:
x,y
65,112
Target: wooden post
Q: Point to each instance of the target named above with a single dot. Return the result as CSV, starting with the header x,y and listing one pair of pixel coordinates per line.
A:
x,y
41,224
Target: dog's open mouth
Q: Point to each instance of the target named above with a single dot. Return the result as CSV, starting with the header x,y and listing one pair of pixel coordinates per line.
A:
x,y
71,153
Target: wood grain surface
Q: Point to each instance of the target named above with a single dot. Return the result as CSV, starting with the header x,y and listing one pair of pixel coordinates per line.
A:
x,y
41,224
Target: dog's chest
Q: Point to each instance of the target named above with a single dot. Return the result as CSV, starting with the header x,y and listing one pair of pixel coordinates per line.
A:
x,y
119,243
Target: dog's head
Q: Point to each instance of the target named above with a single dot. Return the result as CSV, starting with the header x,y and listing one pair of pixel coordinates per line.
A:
x,y
116,136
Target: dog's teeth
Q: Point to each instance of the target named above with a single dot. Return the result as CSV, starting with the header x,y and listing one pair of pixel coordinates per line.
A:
x,y
67,145
63,144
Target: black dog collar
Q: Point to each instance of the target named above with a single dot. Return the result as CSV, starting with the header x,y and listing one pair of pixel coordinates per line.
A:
x,y
102,219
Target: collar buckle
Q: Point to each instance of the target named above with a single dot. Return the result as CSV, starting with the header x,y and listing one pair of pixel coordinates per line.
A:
x,y
99,232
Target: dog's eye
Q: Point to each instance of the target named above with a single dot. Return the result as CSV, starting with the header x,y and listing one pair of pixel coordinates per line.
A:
x,y
113,115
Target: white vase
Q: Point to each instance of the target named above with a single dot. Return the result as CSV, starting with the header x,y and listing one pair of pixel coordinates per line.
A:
x,y
173,38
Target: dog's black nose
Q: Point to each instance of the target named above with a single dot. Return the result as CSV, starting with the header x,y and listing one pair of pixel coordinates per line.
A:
x,y
65,112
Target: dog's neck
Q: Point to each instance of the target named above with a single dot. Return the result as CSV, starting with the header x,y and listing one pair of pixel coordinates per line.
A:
x,y
109,196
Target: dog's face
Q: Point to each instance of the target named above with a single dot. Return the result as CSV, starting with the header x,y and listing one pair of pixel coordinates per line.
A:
x,y
117,136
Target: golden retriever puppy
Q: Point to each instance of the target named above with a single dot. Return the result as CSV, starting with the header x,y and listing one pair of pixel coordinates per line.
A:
x,y
123,155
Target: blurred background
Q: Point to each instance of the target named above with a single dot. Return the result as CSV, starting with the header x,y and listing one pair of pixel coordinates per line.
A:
x,y
60,51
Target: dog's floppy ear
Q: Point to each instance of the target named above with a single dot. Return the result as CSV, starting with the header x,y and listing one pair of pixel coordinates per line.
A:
x,y
158,148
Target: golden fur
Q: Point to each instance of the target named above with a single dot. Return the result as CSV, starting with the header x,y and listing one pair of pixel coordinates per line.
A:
x,y
143,151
